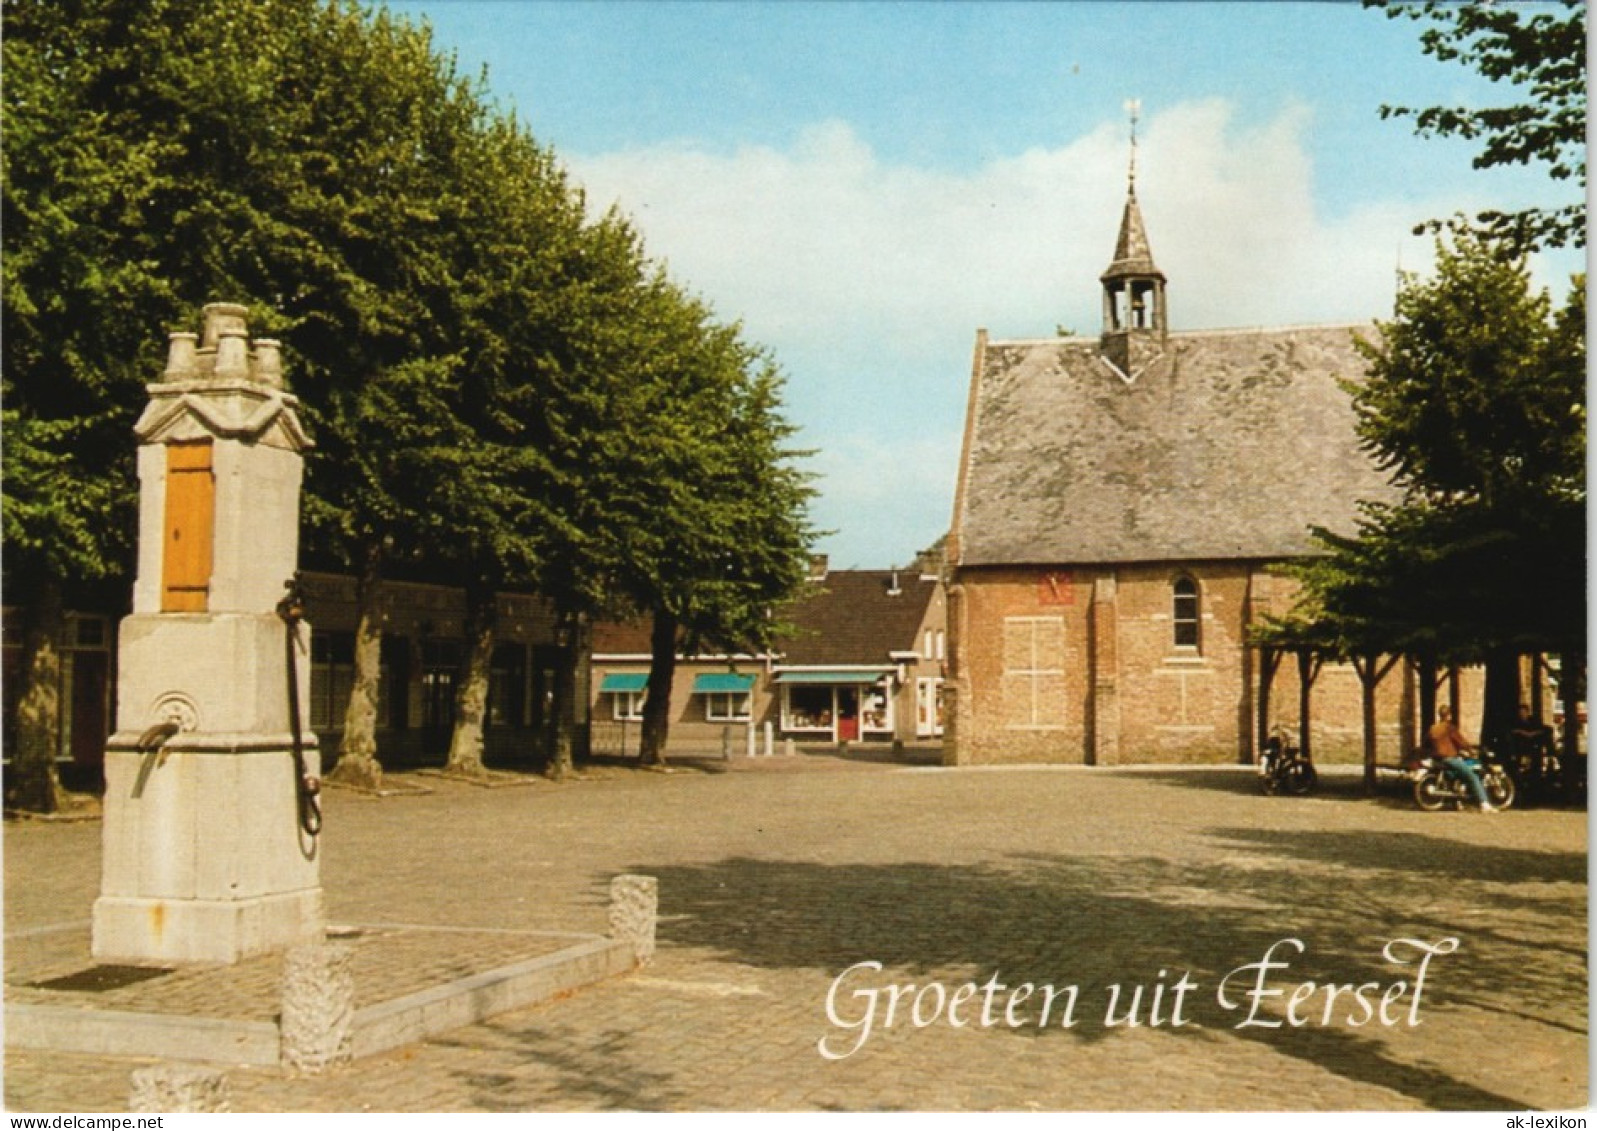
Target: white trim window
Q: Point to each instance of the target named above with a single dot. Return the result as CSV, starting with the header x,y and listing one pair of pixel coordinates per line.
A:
x,y
728,706
876,709
627,706
928,707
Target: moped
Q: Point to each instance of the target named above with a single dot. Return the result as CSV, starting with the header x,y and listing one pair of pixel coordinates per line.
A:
x,y
1435,787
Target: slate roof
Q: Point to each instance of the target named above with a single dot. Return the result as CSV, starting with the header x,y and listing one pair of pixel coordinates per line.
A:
x,y
1230,446
852,618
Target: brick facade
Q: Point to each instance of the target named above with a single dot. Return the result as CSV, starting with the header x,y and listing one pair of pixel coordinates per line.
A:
x,y
1083,666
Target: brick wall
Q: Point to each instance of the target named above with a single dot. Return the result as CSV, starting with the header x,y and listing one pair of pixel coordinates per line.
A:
x,y
1086,666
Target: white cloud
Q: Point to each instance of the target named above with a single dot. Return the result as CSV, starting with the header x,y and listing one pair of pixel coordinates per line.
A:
x,y
868,279
890,500
823,237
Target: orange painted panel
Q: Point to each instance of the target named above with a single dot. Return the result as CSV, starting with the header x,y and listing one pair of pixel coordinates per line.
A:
x,y
190,526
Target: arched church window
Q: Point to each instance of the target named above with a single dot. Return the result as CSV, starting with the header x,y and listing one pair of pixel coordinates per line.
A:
x,y
1184,612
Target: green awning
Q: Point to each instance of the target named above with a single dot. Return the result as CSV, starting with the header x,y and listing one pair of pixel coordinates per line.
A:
x,y
834,675
617,683
721,683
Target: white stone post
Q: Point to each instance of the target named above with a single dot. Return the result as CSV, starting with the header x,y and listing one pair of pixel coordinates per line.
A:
x,y
318,1006
176,1088
205,858
634,910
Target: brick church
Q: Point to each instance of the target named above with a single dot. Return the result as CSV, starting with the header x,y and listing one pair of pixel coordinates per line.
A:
x,y
1121,500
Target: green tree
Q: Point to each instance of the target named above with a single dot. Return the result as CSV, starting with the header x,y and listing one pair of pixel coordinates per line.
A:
x,y
1540,52
732,540
1475,401
319,162
70,295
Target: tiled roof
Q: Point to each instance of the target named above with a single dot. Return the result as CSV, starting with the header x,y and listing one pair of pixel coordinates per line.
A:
x,y
617,638
853,617
1230,446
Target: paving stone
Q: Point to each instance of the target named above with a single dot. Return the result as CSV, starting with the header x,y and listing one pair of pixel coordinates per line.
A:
x,y
772,883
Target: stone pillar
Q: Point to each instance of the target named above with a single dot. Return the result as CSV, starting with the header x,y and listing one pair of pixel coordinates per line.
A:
x,y
205,859
318,1006
174,1088
634,910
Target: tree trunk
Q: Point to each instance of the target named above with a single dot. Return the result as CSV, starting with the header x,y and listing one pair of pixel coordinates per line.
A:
x,y
565,689
1571,686
471,695
1428,683
662,672
1308,672
357,751
35,786
1269,664
582,690
1501,709
1371,672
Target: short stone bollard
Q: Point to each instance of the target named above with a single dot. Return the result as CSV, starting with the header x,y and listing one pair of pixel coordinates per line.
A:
x,y
634,909
318,1020
172,1088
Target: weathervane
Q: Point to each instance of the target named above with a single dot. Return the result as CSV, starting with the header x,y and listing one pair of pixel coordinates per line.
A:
x,y
1134,108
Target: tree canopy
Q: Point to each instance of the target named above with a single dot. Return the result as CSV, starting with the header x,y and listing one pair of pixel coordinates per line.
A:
x,y
1475,399
1539,52
469,346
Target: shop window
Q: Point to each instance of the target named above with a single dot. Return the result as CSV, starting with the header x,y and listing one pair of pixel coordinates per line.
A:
x,y
807,708
876,710
728,706
1184,614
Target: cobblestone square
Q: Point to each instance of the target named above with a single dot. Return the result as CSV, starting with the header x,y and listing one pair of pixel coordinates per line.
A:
x,y
1144,900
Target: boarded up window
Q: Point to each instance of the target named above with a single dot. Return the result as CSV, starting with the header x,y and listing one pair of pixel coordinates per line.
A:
x,y
1034,673
190,523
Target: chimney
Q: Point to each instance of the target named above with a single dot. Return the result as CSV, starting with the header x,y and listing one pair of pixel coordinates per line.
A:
x,y
818,567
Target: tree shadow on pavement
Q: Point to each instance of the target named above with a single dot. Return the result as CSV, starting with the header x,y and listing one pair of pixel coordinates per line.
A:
x,y
566,1070
1102,921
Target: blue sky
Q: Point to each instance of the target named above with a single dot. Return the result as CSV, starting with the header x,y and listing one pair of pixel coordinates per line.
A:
x,y
862,185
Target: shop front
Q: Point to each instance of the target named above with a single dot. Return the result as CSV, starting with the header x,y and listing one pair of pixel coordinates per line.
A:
x,y
837,705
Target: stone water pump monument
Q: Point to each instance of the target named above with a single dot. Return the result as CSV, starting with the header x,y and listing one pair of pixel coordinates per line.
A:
x,y
210,848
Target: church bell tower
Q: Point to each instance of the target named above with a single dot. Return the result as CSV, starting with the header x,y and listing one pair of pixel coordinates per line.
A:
x,y
1135,321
